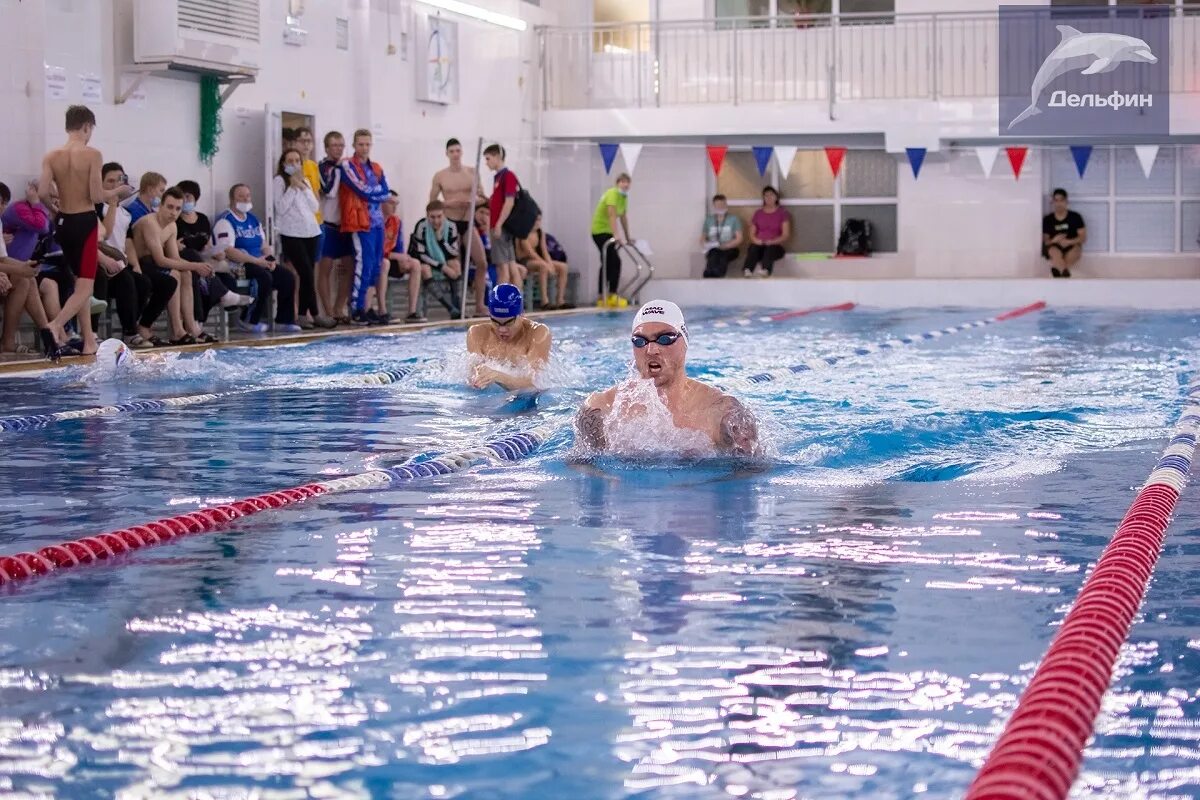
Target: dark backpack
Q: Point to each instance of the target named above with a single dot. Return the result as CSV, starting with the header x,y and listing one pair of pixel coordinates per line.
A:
x,y
855,238
524,215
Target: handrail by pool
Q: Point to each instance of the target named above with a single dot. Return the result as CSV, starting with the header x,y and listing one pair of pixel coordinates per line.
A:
x,y
1041,749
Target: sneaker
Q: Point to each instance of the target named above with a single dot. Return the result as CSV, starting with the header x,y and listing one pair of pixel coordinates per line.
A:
x,y
293,328
359,318
260,327
383,319
98,306
325,322
371,317
235,300
414,318
306,324
747,273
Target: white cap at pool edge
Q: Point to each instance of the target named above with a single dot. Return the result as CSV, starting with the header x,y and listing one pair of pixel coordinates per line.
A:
x,y
663,311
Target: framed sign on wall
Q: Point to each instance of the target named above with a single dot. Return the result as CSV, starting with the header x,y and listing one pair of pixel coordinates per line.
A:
x,y
437,61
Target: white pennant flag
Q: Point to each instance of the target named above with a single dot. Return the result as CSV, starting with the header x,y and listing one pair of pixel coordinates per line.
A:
x,y
987,158
785,155
630,153
1147,154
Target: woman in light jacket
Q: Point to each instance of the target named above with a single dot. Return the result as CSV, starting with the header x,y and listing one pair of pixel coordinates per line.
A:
x,y
300,233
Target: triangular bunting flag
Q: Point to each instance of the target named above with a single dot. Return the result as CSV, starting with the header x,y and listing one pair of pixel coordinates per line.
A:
x,y
784,156
835,156
987,158
716,155
1081,153
630,153
916,157
1147,154
1016,157
608,151
762,157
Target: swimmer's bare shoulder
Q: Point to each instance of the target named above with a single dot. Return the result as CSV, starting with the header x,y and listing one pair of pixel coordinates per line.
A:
x,y
589,422
477,335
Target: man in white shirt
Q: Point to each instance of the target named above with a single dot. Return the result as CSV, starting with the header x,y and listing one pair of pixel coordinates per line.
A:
x,y
336,247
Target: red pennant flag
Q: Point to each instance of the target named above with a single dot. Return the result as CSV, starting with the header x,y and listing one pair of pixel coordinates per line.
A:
x,y
716,154
1016,157
835,156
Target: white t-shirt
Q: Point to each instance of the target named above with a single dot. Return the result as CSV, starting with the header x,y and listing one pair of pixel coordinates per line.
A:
x,y
3,248
116,237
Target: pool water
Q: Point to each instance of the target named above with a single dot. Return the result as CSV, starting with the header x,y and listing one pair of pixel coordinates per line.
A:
x,y
854,619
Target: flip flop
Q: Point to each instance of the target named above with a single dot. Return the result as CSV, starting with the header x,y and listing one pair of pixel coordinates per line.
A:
x,y
207,338
183,341
158,342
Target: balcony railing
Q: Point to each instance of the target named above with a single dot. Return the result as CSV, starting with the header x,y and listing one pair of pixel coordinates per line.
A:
x,y
815,58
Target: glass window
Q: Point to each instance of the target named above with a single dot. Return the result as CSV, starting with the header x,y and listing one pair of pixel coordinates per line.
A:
x,y
1095,219
1189,166
869,173
739,178
1145,227
882,217
810,178
1131,181
1063,173
812,230
1189,225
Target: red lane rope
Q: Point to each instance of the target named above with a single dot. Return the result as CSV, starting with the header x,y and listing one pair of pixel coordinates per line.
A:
x,y
114,543
1039,754
802,312
1016,312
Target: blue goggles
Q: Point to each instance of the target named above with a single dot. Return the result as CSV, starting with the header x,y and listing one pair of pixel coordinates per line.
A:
x,y
662,340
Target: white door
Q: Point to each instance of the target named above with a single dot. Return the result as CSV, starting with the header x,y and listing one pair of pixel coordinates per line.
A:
x,y
272,149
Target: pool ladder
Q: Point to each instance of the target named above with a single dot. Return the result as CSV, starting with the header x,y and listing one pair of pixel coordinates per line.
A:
x,y
645,270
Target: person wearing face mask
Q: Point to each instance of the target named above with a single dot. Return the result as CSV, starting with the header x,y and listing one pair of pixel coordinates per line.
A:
x,y
239,235
612,207
720,238
300,234
146,201
660,343
194,232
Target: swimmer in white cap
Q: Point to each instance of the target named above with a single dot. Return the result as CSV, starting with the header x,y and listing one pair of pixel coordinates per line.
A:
x,y
509,337
660,341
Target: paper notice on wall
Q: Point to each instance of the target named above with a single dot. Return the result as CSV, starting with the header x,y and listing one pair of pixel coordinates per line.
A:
x,y
90,88
56,83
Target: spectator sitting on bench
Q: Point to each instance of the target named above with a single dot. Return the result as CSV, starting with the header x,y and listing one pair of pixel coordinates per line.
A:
x,y
770,228
1063,235
721,238
434,243
398,262
239,235
532,254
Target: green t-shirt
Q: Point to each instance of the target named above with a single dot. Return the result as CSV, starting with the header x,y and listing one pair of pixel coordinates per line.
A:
x,y
612,197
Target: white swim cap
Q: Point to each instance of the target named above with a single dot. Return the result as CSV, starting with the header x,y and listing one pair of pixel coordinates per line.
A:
x,y
663,311
112,356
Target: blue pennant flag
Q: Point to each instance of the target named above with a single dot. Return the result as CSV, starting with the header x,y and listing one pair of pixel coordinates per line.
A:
x,y
608,150
762,156
916,157
1081,153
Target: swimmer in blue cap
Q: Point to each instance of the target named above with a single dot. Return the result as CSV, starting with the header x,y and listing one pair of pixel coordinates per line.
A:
x,y
660,343
510,338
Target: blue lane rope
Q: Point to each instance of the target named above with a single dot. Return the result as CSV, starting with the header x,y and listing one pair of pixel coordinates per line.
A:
x,y
29,422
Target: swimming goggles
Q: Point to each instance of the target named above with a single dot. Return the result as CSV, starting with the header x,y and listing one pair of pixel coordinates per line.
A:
x,y
662,340
503,322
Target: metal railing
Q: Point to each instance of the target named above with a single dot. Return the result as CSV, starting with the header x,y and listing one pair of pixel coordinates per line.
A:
x,y
819,57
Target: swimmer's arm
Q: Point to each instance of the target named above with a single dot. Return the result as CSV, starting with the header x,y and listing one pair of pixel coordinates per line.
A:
x,y
589,422
739,429
539,354
46,182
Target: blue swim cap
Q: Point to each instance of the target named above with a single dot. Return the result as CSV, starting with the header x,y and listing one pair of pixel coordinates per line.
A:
x,y
504,301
